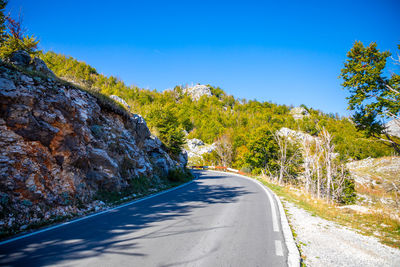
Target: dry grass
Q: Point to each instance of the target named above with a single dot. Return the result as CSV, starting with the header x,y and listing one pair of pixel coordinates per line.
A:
x,y
375,179
377,223
385,169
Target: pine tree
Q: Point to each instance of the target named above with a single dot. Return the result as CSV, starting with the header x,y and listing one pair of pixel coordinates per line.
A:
x,y
13,38
373,96
3,4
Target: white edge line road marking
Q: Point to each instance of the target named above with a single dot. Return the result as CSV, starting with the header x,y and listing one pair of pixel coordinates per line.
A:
x,y
278,248
275,224
95,214
293,252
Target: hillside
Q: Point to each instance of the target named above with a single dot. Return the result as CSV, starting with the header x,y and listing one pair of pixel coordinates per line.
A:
x,y
208,117
378,184
64,149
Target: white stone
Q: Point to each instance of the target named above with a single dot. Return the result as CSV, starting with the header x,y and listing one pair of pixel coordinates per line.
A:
x,y
197,91
120,100
393,127
299,112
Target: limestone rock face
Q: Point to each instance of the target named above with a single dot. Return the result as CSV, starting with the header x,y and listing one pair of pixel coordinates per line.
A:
x,y
23,59
59,146
393,127
297,136
120,100
196,148
20,58
198,91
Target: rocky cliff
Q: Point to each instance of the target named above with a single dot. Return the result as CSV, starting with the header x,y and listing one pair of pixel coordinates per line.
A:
x,y
60,146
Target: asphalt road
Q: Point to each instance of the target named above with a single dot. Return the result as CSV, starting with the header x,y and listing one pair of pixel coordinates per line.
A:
x,y
217,220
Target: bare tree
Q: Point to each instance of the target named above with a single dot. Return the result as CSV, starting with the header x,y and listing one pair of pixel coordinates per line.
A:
x,y
282,142
224,149
308,161
338,182
317,166
288,156
328,153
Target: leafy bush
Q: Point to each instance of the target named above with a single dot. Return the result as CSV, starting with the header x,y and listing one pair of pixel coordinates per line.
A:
x,y
348,195
138,185
246,169
179,175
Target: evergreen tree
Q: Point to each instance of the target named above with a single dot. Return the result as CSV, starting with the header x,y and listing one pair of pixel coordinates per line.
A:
x,y
167,129
3,4
14,40
373,95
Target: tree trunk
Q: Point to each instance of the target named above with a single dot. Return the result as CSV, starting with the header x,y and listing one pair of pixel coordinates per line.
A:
x,y
328,178
318,182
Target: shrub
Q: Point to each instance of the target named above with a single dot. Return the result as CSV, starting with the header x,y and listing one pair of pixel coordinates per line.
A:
x,y
348,195
246,169
179,175
14,40
12,44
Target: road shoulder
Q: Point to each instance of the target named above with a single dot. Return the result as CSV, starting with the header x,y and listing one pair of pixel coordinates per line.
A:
x,y
326,243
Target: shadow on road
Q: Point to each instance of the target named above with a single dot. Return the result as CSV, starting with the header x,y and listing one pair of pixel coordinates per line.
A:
x,y
109,233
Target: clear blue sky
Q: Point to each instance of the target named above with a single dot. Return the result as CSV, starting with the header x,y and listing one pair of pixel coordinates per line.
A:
x,y
287,52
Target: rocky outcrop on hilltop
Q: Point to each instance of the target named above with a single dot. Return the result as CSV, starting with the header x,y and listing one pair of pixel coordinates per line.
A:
x,y
297,136
197,91
299,113
60,146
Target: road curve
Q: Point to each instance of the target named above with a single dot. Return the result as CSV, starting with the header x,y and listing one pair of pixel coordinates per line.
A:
x,y
218,220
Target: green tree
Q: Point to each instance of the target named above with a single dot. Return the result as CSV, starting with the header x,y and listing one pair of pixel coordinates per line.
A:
x,y
3,4
373,95
263,150
167,129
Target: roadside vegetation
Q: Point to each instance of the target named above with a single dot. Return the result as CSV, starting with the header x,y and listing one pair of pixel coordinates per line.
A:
x,y
377,224
144,186
138,188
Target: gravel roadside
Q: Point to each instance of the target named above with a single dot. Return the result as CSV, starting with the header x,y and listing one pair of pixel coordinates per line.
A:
x,y
325,243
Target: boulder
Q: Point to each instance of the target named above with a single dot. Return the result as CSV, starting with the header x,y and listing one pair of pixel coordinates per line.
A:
x,y
20,58
40,65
